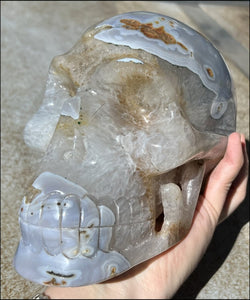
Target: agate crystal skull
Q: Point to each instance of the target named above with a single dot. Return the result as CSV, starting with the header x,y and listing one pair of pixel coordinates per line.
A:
x,y
133,117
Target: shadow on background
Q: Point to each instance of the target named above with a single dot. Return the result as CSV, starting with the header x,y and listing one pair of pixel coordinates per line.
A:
x,y
218,250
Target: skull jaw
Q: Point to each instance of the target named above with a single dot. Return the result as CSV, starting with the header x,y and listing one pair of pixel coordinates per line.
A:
x,y
57,270
177,205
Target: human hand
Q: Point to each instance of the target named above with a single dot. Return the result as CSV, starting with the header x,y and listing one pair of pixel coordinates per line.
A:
x,y
161,276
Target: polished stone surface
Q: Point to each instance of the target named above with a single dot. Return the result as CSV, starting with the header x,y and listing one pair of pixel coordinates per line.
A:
x,y
32,34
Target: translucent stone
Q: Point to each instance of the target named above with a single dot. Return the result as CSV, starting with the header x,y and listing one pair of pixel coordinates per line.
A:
x,y
133,117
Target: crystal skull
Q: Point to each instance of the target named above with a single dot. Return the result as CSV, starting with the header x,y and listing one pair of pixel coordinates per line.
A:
x,y
133,118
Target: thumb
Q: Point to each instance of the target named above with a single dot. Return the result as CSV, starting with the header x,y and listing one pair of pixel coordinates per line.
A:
x,y
221,178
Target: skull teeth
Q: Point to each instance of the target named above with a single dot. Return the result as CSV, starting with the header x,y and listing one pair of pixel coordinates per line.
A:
x,y
67,224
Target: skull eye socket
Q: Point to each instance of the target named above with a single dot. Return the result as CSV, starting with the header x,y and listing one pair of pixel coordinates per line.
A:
x,y
143,91
134,99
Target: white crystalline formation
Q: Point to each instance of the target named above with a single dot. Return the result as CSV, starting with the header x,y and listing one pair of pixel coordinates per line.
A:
x,y
131,118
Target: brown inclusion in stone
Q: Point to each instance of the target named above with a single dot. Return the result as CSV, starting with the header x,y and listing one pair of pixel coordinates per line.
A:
x,y
210,72
151,32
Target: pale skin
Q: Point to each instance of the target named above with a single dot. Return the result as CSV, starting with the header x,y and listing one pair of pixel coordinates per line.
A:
x,y
160,277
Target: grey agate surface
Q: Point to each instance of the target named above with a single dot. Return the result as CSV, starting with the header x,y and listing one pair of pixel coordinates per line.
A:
x,y
134,116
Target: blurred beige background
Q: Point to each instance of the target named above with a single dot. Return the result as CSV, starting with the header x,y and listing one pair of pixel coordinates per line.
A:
x,y
36,31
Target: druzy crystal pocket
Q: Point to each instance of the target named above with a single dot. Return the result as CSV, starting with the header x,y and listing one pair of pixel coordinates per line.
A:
x,y
133,117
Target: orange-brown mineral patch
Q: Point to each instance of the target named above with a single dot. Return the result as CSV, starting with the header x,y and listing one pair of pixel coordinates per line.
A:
x,y
210,72
113,271
171,23
151,32
51,282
